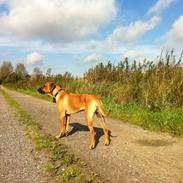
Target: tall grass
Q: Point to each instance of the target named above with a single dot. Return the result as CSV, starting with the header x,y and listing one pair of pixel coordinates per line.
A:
x,y
156,85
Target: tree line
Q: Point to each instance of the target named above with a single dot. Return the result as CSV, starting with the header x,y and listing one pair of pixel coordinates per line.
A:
x,y
9,74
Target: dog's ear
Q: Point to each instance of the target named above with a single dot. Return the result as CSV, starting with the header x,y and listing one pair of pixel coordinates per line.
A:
x,y
59,85
52,86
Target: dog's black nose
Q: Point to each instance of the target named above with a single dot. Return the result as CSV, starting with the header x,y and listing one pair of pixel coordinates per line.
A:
x,y
40,90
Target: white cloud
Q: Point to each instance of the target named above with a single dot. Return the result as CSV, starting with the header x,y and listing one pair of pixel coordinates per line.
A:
x,y
141,52
2,1
93,44
133,31
34,59
123,37
92,58
174,38
160,5
56,20
134,54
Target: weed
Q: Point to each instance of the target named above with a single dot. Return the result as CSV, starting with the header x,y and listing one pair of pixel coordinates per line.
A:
x,y
69,173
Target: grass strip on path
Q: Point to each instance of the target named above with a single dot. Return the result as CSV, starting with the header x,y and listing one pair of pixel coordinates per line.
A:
x,y
62,165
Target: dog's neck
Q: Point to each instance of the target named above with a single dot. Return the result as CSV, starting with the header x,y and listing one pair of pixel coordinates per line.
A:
x,y
56,92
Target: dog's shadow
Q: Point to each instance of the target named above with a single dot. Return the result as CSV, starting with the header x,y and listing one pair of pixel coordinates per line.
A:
x,y
80,127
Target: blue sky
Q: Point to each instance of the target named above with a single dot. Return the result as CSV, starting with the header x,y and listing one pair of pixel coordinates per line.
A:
x,y
74,35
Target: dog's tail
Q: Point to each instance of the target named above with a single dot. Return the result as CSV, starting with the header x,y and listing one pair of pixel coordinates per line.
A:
x,y
101,110
110,135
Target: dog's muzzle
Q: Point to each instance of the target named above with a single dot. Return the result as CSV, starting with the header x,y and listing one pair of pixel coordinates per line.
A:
x,y
40,90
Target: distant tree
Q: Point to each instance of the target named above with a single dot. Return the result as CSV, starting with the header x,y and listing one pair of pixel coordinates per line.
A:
x,y
20,70
37,71
5,70
11,78
48,72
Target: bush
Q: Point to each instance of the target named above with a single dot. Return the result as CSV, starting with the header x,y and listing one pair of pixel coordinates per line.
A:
x,y
11,78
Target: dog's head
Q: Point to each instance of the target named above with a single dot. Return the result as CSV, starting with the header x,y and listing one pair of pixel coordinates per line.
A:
x,y
48,88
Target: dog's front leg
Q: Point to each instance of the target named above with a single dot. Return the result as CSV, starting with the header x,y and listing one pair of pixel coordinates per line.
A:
x,y
67,124
62,126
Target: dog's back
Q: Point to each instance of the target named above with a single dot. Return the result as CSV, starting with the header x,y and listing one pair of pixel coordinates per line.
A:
x,y
79,102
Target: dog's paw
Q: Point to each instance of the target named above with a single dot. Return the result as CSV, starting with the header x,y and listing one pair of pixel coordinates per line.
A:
x,y
58,136
106,143
92,146
61,134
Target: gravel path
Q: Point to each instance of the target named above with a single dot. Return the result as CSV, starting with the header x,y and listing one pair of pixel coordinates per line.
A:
x,y
134,155
16,160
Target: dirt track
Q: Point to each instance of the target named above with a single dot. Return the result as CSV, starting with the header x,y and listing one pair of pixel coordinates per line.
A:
x,y
134,155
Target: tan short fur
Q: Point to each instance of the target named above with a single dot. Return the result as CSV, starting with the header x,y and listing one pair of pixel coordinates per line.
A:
x,y
69,103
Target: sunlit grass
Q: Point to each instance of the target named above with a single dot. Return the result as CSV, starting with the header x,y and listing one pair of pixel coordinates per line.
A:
x,y
169,120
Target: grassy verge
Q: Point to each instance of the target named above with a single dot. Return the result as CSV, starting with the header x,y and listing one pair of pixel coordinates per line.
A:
x,y
62,165
33,93
169,120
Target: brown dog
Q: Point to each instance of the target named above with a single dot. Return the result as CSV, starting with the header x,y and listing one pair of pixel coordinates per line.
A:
x,y
72,103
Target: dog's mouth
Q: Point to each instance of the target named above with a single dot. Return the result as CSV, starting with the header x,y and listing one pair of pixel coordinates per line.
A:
x,y
40,91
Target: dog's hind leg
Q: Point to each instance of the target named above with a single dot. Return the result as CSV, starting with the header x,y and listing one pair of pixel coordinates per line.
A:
x,y
106,131
89,113
103,125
